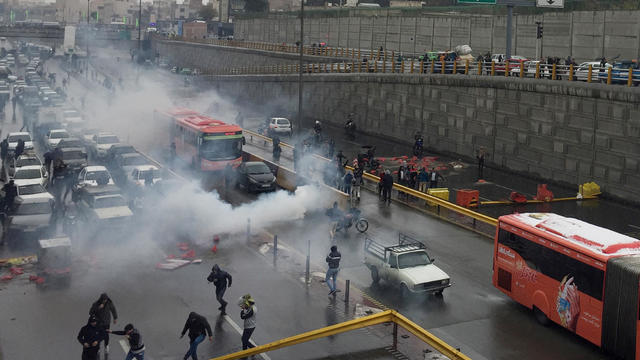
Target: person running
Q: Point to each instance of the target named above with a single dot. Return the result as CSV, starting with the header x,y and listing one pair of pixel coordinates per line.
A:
x,y
248,314
103,309
197,326
89,337
221,279
136,346
333,259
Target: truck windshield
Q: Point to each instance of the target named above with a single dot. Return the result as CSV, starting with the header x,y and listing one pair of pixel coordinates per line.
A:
x,y
413,259
221,149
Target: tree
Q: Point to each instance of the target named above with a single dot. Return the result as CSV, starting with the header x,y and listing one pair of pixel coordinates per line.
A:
x,y
255,6
207,12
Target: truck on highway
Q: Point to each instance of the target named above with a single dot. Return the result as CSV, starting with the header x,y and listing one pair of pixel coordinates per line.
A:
x,y
406,265
69,39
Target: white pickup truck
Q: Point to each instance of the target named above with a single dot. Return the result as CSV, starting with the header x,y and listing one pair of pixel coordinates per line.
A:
x,y
407,265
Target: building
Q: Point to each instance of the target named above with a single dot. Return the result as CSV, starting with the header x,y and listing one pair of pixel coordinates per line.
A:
x,y
194,30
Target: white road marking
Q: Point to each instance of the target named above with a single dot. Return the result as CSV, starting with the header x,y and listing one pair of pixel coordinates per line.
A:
x,y
124,345
239,330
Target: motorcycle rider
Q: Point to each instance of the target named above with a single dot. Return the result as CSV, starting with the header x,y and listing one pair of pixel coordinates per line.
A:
x,y
350,127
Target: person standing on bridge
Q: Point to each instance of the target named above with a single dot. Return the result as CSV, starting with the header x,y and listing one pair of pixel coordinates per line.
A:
x,y
480,157
333,259
221,279
198,327
4,150
387,186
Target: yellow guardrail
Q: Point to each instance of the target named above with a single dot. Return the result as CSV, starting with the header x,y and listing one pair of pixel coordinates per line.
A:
x,y
375,319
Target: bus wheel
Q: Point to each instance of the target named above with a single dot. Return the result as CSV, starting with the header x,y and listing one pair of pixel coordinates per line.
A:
x,y
541,317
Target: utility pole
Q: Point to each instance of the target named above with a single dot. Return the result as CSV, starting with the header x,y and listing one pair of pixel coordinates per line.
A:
x,y
139,28
300,115
509,33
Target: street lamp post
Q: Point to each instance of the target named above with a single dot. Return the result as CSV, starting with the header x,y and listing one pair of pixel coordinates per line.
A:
x,y
300,116
139,27
88,12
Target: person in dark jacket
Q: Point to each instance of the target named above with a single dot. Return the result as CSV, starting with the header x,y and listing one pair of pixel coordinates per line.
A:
x,y
387,186
103,309
197,326
10,193
136,346
89,337
19,148
221,279
4,149
333,259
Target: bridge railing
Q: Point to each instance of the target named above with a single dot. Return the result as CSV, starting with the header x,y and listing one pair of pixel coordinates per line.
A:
x,y
589,74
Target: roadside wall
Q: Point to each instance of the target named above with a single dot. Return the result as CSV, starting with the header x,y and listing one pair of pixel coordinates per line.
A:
x,y
566,132
209,58
584,35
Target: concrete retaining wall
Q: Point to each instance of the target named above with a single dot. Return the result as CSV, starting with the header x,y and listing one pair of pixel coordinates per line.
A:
x,y
209,58
566,132
585,35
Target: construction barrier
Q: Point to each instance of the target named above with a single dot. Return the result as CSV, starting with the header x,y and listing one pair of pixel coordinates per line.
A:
x,y
440,193
467,198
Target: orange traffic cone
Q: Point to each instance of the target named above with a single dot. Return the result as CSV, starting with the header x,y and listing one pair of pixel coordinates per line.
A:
x,y
214,249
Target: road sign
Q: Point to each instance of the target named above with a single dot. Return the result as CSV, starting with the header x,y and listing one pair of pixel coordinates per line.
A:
x,y
550,3
490,2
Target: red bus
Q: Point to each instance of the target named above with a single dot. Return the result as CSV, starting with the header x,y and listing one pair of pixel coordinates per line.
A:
x,y
205,143
581,276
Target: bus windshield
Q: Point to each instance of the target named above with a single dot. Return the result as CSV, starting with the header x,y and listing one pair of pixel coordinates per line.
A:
x,y
221,149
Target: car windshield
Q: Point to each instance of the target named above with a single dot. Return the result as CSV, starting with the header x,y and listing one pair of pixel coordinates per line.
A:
x,y
95,175
221,149
73,155
123,150
108,139
155,174
15,138
413,259
27,162
59,135
39,208
107,202
31,189
256,169
28,174
70,143
134,161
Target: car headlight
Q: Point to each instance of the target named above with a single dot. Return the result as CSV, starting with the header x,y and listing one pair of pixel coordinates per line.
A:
x,y
445,282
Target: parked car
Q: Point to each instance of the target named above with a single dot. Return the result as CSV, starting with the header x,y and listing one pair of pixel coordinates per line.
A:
x,y
28,175
33,191
90,175
256,176
29,218
21,161
119,149
406,265
582,70
13,138
54,137
74,158
70,142
100,143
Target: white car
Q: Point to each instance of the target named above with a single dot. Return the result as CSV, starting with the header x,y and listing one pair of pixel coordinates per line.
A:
x,y
71,117
34,191
13,138
29,175
279,125
54,137
582,71
140,173
102,142
90,174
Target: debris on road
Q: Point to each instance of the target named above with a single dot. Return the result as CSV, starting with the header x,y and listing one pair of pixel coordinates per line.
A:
x,y
19,261
16,271
7,277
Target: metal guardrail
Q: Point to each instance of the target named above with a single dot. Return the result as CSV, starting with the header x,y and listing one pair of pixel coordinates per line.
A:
x,y
375,319
590,74
444,209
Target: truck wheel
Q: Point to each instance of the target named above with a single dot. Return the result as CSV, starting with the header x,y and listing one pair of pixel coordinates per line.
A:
x,y
405,291
375,277
541,317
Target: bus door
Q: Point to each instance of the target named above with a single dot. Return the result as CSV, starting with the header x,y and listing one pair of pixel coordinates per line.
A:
x,y
620,314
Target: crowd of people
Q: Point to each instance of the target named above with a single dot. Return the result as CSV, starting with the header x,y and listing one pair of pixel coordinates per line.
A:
x,y
103,313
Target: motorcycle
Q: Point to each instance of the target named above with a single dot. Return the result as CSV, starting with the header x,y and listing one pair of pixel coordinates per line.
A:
x,y
352,217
